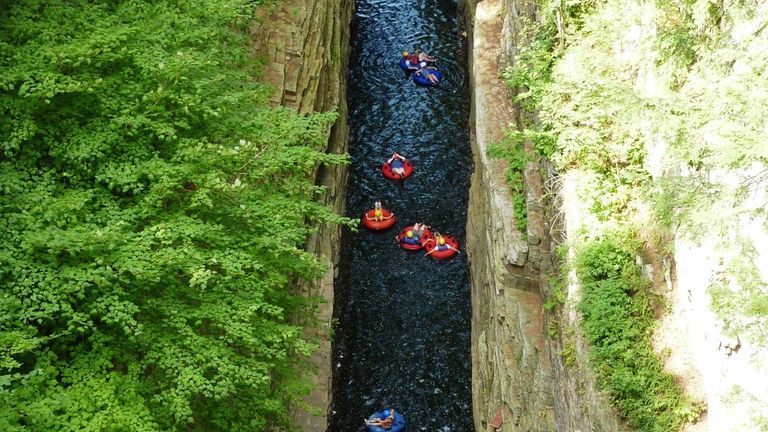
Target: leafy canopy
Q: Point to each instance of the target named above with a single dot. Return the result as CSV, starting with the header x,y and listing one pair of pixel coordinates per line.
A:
x,y
154,213
660,103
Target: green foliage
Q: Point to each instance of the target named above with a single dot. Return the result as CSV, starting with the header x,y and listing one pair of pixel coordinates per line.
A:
x,y
558,281
531,71
618,324
154,212
517,159
579,107
686,80
568,353
739,297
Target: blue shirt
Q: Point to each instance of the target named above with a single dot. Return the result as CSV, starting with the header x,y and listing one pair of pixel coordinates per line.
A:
x,y
413,241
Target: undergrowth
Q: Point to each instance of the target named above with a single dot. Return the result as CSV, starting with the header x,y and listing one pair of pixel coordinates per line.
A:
x,y
513,152
618,323
598,93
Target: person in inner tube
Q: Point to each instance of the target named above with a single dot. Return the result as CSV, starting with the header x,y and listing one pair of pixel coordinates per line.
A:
x,y
378,213
385,422
411,238
424,58
419,228
440,245
396,164
426,72
411,60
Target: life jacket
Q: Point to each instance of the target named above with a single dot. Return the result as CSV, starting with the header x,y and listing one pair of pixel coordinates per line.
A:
x,y
414,59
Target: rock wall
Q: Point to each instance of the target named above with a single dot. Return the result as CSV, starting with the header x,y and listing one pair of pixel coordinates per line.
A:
x,y
510,361
518,351
533,364
305,47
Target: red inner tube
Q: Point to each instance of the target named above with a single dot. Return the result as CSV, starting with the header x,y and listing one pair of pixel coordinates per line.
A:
x,y
387,170
388,219
442,254
425,237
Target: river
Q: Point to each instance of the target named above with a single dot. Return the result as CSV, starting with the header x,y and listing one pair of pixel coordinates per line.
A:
x,y
402,337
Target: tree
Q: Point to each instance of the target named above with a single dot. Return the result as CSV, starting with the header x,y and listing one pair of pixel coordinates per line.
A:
x,y
154,212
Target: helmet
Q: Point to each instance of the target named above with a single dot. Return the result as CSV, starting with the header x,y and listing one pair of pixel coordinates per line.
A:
x,y
405,53
377,213
409,234
441,241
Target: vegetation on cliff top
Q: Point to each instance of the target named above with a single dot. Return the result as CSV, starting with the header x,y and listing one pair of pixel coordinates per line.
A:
x,y
154,211
662,103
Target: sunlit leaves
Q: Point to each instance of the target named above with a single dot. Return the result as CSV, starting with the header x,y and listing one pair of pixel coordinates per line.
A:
x,y
618,324
154,213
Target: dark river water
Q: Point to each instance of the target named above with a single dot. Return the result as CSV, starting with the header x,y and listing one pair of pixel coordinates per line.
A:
x,y
403,320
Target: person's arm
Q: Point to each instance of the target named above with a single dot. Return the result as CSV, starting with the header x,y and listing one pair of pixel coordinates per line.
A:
x,y
390,420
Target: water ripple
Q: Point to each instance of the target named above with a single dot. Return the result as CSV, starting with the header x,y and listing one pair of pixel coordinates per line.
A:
x,y
403,337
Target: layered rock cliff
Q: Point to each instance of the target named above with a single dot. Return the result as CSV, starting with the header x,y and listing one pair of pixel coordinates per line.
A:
x,y
305,48
532,364
511,370
517,348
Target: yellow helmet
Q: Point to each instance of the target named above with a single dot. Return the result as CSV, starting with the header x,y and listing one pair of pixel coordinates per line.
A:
x,y
441,241
409,234
405,53
377,213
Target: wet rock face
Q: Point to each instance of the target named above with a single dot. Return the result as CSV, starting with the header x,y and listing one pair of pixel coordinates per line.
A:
x,y
305,48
